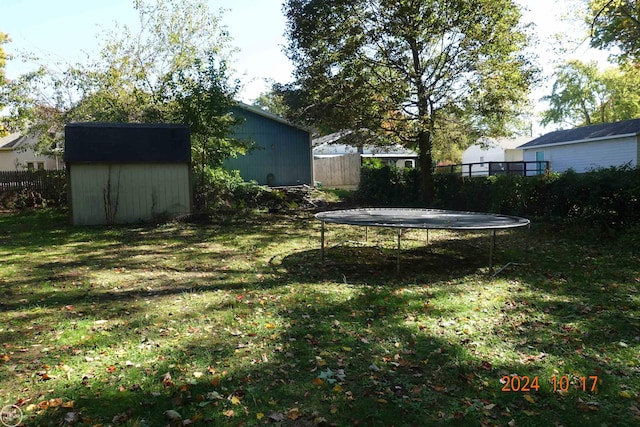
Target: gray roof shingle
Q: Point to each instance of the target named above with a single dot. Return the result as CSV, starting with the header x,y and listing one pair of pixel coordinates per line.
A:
x,y
600,131
127,143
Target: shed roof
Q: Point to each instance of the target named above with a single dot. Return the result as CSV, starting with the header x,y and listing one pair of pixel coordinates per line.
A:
x,y
587,133
127,143
259,111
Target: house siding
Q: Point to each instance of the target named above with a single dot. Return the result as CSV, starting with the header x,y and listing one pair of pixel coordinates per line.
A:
x,y
282,155
587,155
17,157
141,191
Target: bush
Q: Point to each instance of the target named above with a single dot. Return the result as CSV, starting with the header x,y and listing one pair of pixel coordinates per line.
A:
x,y
222,189
386,185
604,198
32,189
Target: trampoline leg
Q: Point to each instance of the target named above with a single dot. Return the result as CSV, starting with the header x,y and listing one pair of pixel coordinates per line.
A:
x,y
491,248
427,237
322,242
398,257
366,234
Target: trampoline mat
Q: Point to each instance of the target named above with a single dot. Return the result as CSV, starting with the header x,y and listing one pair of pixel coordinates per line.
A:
x,y
422,218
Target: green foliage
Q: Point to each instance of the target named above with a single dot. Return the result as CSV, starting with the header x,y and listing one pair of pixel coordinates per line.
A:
x,y
39,189
172,68
224,190
4,38
605,198
401,69
584,95
391,186
616,24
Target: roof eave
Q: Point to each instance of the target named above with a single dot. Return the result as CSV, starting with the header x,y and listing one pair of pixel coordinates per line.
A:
x,y
259,111
580,141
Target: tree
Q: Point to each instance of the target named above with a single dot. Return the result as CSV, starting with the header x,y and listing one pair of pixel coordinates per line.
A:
x,y
172,68
202,101
4,38
396,67
616,24
584,95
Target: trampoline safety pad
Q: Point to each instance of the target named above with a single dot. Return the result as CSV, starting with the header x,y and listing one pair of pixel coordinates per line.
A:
x,y
424,219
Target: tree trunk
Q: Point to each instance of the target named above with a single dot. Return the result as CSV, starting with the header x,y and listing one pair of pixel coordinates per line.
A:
x,y
426,170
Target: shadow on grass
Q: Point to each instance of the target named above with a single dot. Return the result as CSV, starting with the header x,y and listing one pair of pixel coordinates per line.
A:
x,y
382,349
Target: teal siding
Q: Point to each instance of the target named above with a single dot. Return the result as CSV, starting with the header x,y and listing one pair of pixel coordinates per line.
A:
x,y
282,155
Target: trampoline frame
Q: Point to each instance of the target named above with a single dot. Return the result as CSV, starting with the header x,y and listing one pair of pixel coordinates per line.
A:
x,y
419,218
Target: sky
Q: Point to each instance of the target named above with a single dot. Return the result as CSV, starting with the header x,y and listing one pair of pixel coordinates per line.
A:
x,y
66,30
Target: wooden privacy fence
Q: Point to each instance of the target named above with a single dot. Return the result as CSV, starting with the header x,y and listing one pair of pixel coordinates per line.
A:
x,y
48,183
338,172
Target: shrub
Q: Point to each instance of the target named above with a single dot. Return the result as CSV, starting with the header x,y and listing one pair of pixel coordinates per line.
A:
x,y
386,185
604,198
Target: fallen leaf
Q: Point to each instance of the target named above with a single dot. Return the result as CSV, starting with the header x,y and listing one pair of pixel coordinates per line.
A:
x,y
276,417
166,380
293,414
529,399
72,417
54,403
172,415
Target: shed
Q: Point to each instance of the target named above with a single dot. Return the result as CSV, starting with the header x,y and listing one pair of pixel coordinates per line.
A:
x,y
283,150
126,173
588,147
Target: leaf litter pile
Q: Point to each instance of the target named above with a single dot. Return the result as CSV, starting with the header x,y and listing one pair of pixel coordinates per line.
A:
x,y
238,322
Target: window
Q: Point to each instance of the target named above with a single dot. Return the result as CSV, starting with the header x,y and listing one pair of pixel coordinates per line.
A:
x,y
32,166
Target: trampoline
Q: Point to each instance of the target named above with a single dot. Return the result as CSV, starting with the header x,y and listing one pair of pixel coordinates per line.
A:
x,y
426,219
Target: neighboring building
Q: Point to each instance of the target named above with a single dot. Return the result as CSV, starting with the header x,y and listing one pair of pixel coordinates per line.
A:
x,y
333,145
337,163
587,148
491,152
126,173
282,155
17,153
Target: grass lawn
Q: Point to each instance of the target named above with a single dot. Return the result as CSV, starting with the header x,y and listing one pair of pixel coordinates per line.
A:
x,y
239,323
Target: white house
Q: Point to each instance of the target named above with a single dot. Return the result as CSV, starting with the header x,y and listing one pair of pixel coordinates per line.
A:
x,y
587,148
476,158
17,153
